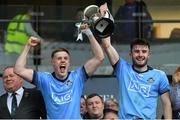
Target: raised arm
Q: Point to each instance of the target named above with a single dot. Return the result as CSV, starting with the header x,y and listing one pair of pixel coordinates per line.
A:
x,y
20,65
92,64
106,42
110,51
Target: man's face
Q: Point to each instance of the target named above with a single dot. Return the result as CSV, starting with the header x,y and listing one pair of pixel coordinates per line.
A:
x,y
79,15
11,81
95,107
140,55
83,106
61,62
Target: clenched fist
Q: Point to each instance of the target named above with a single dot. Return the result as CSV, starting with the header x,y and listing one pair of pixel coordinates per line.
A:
x,y
33,41
103,9
84,26
85,29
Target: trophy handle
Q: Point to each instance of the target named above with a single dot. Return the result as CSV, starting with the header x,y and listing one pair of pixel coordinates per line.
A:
x,y
90,11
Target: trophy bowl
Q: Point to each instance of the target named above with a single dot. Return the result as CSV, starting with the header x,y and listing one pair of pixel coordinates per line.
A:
x,y
103,25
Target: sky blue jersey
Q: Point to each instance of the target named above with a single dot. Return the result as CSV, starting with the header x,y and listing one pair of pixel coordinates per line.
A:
x,y
62,98
139,91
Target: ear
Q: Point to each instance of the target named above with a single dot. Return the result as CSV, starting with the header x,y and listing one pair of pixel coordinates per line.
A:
x,y
130,53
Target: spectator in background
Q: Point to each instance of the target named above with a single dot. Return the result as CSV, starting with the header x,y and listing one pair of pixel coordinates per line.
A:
x,y
95,107
140,85
18,32
29,102
83,109
70,32
62,88
79,17
175,34
130,26
110,114
111,103
175,93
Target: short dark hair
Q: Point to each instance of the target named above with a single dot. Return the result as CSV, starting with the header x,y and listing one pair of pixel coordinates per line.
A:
x,y
93,95
59,50
139,41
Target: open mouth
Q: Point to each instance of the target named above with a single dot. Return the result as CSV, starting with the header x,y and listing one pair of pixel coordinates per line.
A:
x,y
62,68
140,59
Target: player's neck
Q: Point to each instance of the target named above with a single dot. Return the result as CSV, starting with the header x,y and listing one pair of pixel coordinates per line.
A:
x,y
140,68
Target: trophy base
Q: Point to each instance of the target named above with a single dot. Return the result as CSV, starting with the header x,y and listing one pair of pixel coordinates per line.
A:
x,y
104,27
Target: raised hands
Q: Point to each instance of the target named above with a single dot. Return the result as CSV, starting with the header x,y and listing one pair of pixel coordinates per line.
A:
x,y
84,27
33,41
103,9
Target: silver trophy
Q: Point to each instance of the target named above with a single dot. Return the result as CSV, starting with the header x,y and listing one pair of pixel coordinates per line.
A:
x,y
102,25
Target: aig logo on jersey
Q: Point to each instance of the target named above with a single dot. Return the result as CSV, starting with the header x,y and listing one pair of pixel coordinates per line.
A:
x,y
150,80
69,83
140,88
62,98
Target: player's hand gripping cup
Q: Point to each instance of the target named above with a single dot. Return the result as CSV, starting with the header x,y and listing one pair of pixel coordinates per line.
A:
x,y
100,19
